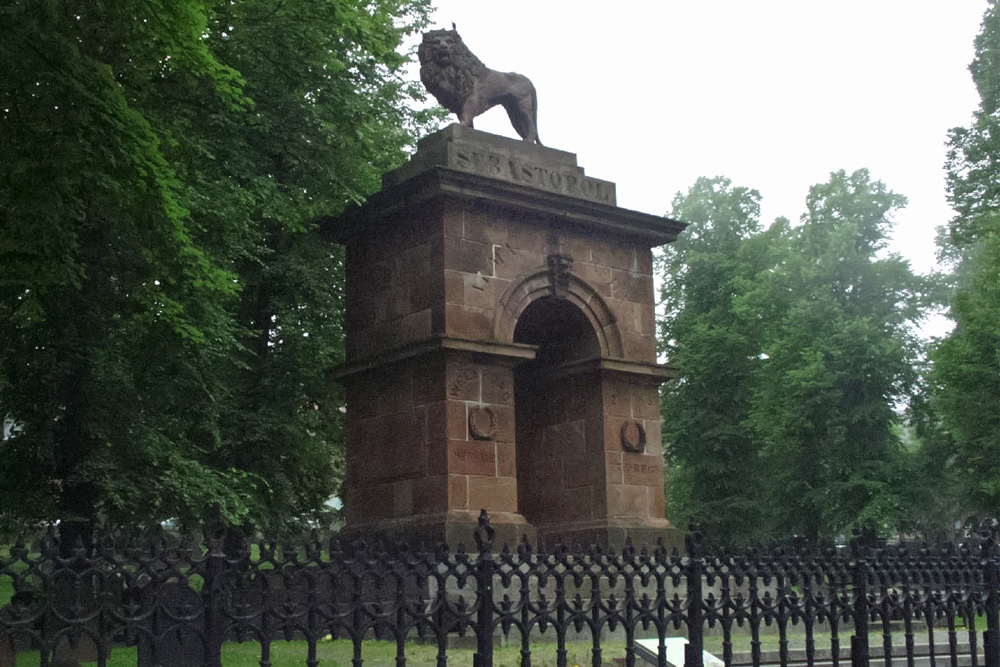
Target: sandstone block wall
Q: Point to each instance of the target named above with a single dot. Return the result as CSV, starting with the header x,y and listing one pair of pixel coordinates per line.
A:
x,y
459,274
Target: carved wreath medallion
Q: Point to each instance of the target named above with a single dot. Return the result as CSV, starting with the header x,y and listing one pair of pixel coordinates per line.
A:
x,y
482,423
633,437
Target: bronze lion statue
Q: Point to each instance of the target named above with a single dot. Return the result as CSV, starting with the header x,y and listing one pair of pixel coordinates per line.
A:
x,y
466,87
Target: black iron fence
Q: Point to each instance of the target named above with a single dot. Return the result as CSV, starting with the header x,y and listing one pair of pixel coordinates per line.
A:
x,y
180,602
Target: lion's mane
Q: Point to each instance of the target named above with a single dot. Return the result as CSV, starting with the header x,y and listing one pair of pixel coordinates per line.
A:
x,y
453,84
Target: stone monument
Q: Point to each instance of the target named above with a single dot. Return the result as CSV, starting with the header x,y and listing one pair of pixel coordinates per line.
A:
x,y
501,350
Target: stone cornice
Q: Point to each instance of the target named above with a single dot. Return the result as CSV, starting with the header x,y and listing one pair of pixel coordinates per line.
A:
x,y
635,372
501,175
513,353
441,183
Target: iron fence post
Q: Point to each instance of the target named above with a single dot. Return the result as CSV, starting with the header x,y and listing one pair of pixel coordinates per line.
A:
x,y
485,568
694,649
212,600
991,563
860,611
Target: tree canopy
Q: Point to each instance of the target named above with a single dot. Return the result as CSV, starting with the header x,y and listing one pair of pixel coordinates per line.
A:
x,y
805,395
167,320
713,459
965,376
796,348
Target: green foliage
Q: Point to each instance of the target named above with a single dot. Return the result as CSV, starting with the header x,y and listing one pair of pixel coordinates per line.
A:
x,y
985,67
934,497
841,357
966,377
167,319
796,348
964,383
340,653
713,460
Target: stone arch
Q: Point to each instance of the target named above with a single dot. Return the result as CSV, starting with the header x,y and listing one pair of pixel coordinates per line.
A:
x,y
544,283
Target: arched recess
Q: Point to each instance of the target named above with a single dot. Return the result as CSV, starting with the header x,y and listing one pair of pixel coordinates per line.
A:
x,y
541,284
558,402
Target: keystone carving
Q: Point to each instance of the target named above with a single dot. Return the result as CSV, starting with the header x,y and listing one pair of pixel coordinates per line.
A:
x,y
560,269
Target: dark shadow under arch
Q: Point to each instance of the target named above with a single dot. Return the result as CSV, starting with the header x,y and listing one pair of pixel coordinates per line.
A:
x,y
557,415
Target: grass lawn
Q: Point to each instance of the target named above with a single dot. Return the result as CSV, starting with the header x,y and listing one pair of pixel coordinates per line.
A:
x,y
6,582
6,590
376,653
379,653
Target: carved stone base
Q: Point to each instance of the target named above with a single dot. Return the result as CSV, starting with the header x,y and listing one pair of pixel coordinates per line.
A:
x,y
501,347
612,533
453,527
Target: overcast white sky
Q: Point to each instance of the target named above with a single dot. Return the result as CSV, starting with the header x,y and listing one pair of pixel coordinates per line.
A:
x,y
774,94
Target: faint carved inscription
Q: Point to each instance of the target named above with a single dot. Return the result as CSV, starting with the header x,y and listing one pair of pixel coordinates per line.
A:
x,y
642,473
651,398
463,377
474,457
633,437
482,423
562,179
619,401
500,385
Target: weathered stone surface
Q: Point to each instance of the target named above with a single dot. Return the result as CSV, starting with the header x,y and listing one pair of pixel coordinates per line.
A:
x,y
487,155
502,353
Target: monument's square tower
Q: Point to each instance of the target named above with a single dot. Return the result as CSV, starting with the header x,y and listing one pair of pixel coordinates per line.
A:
x,y
501,349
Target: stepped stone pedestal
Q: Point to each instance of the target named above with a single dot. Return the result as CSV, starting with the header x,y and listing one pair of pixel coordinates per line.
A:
x,y
501,350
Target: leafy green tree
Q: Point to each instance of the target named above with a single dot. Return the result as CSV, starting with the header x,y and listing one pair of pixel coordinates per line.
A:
x,y
934,496
166,318
101,264
965,379
841,355
713,459
330,116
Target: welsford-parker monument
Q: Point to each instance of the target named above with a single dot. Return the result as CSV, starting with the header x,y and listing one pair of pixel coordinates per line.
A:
x,y
501,349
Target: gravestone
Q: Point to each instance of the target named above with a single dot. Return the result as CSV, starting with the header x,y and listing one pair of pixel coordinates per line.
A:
x,y
175,627
501,350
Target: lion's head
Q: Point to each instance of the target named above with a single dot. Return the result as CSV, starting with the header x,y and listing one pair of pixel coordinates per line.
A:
x,y
448,68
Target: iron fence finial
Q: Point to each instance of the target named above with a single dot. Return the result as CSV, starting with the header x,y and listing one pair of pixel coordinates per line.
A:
x,y
484,533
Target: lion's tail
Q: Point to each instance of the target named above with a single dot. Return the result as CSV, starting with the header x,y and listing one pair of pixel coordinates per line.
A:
x,y
534,115
525,122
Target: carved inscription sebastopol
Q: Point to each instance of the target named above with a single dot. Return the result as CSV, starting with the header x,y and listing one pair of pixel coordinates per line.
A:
x,y
563,179
501,386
